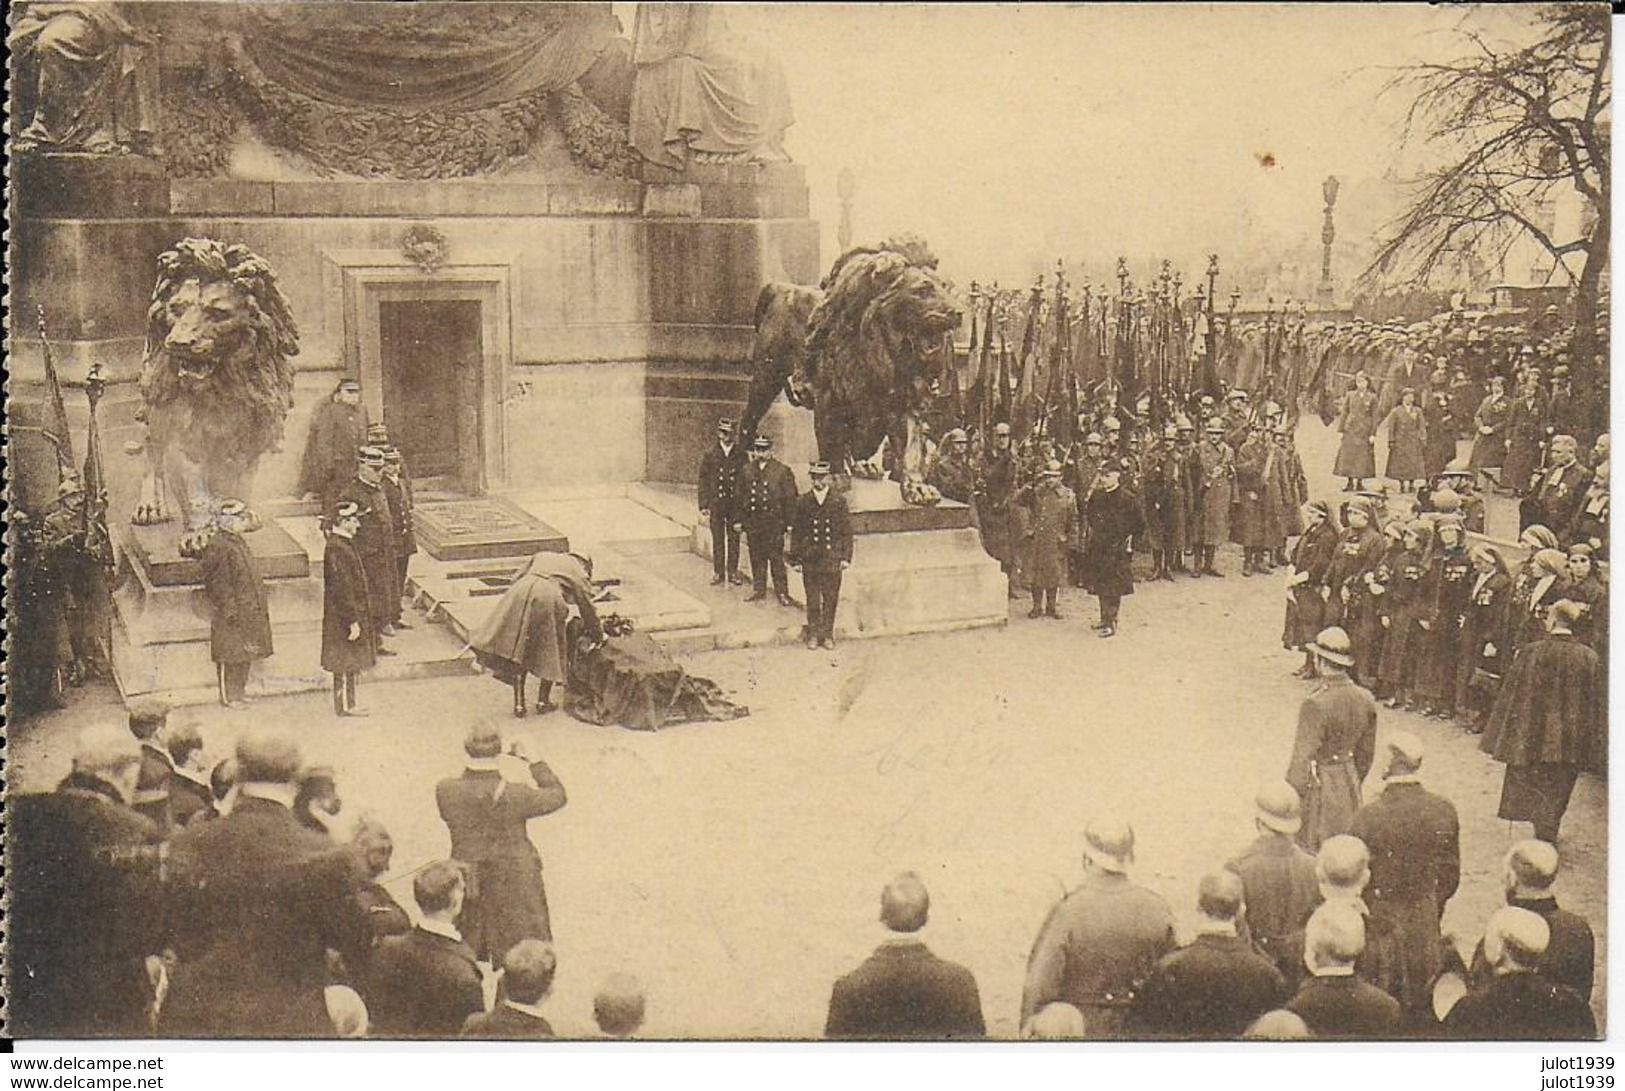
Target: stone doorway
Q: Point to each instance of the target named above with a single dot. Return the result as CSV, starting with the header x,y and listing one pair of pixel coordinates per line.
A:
x,y
430,354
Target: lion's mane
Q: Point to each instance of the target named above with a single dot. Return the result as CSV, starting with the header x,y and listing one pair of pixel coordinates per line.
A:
x,y
237,414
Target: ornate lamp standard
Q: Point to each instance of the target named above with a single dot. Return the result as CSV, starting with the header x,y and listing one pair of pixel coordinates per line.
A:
x,y
1328,190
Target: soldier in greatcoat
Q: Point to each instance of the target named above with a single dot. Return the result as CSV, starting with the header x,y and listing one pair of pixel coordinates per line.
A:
x,y
721,467
1215,484
1081,474
1100,941
821,549
398,488
375,541
1335,744
1278,877
1114,519
952,473
1286,490
487,817
240,620
1251,529
348,643
1053,510
767,497
996,489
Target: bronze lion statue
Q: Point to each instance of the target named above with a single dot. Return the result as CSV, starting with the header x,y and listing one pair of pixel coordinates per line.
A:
x,y
864,351
216,382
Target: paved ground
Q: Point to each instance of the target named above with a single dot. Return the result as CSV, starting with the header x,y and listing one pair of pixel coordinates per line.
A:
x,y
735,867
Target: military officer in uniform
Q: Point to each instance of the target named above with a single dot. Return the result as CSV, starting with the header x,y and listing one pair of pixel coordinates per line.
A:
x,y
953,475
1101,940
1215,477
240,621
720,470
375,540
337,428
1278,877
767,497
821,549
348,643
398,487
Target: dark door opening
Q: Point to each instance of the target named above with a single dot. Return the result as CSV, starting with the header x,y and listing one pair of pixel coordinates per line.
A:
x,y
431,354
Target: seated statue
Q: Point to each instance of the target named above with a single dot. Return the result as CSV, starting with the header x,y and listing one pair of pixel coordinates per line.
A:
x,y
86,83
701,93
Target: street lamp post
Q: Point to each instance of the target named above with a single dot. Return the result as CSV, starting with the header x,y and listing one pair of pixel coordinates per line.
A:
x,y
1328,190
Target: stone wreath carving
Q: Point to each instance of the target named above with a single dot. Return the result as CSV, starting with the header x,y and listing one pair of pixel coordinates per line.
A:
x,y
424,246
204,110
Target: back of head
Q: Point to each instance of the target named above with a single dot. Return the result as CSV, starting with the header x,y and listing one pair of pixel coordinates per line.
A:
x,y
1219,895
1278,1025
527,970
1334,936
1344,863
183,740
905,903
147,715
266,758
1515,939
1055,1022
1404,752
1108,843
105,750
223,778
483,741
435,887
618,1005
1532,865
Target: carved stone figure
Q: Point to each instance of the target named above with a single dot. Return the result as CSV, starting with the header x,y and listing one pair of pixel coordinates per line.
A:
x,y
216,384
701,92
87,81
864,350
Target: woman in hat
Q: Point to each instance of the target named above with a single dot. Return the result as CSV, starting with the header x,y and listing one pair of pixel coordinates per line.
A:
x,y
525,633
1441,429
1489,425
1373,618
1583,585
1483,656
1534,588
1451,577
1409,616
1407,440
1526,431
1357,421
1308,583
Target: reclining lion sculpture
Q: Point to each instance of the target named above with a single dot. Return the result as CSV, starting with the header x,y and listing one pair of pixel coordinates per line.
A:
x,y
863,351
216,382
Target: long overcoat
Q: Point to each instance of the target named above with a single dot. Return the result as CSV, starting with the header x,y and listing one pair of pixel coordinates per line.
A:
x,y
525,630
487,819
1054,515
345,602
1357,421
1336,742
1526,431
1114,518
375,544
1490,447
1217,487
1407,443
240,621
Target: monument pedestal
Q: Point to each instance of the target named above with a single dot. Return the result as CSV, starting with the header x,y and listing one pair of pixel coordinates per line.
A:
x,y
161,617
914,569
